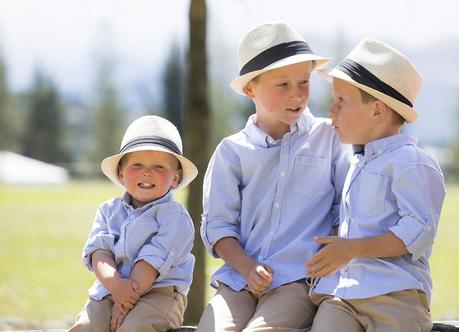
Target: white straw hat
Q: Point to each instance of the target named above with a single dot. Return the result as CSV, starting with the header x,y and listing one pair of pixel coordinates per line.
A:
x,y
151,133
271,46
383,72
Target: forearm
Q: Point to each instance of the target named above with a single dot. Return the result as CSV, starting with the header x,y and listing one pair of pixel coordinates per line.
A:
x,y
104,266
232,253
144,275
384,245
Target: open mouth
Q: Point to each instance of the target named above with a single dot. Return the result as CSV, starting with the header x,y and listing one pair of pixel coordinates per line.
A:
x,y
146,185
294,110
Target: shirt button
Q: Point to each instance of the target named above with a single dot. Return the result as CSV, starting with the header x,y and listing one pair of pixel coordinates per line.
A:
x,y
282,173
276,205
132,217
260,258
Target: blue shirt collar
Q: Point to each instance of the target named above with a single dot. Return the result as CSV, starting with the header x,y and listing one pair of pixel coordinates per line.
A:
x,y
260,138
388,144
127,201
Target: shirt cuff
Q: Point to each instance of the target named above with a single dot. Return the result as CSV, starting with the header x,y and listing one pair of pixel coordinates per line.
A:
x,y
417,236
212,232
162,264
99,241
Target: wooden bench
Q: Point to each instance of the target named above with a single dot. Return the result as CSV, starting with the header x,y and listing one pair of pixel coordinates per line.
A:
x,y
437,327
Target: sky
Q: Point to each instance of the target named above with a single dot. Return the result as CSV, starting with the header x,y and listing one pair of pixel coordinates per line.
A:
x,y
63,36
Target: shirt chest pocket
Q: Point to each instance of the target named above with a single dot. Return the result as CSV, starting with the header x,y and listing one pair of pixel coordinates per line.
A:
x,y
311,176
370,194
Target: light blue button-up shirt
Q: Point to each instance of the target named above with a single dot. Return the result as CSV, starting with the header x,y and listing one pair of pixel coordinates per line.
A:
x,y
161,233
274,196
394,186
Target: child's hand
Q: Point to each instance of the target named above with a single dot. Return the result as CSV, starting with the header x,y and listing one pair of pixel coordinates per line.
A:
x,y
125,292
259,278
119,312
336,254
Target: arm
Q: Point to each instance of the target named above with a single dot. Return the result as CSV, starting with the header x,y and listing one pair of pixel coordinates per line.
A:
x,y
123,290
339,251
258,276
144,275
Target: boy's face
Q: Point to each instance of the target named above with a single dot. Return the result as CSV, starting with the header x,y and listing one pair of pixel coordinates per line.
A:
x,y
280,96
351,118
148,175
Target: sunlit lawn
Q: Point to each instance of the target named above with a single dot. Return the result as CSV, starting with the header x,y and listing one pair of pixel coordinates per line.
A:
x,y
43,230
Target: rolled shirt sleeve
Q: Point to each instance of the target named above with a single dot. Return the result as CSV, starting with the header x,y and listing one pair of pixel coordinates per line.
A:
x,y
99,237
419,209
222,183
171,244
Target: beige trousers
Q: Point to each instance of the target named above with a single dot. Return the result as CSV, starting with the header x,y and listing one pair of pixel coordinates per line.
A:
x,y
159,310
286,308
403,311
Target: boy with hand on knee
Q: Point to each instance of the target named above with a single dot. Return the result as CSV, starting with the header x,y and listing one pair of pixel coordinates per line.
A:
x,y
140,244
375,275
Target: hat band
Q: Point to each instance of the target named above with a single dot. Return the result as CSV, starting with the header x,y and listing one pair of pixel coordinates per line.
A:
x,y
156,140
274,54
361,75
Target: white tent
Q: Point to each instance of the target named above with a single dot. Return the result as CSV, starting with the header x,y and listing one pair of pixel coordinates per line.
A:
x,y
17,169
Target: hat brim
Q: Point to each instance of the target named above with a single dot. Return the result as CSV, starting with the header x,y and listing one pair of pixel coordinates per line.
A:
x,y
408,113
240,82
109,166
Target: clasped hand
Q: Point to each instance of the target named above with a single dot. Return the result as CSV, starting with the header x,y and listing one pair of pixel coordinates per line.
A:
x,y
125,294
259,278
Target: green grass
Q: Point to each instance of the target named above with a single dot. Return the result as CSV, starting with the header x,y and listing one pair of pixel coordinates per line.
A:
x,y
43,230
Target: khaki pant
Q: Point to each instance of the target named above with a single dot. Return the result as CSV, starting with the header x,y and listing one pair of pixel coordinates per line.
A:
x,y
404,311
159,310
286,308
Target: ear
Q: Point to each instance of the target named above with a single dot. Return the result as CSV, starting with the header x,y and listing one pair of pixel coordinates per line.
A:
x,y
177,178
380,111
120,176
248,90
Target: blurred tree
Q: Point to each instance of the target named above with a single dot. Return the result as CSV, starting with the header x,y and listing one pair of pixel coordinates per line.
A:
x,y
197,121
451,169
5,133
107,123
43,135
173,86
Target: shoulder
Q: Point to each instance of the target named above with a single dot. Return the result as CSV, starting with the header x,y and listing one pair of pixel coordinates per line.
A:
x,y
111,204
172,211
412,155
322,126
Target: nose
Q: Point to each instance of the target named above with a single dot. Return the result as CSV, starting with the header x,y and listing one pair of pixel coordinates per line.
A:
x,y
298,93
331,111
147,172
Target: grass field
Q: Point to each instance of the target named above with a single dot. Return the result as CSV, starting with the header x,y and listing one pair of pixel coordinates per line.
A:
x,y
43,230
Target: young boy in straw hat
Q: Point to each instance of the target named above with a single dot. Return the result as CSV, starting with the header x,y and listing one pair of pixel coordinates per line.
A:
x,y
140,244
375,275
269,189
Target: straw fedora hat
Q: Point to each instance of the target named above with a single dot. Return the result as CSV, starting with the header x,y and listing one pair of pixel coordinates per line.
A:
x,y
151,133
383,72
271,46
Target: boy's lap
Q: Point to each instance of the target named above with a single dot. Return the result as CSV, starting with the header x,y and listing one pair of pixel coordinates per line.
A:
x,y
403,311
287,306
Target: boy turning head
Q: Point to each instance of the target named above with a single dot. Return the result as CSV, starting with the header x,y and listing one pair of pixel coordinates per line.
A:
x,y
269,189
375,275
